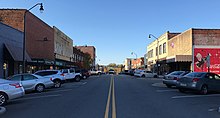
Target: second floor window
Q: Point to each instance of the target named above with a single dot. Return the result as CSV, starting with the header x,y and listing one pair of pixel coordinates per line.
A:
x,y
164,47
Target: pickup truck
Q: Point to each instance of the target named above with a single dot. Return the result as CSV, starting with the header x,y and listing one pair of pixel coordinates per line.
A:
x,y
71,74
95,72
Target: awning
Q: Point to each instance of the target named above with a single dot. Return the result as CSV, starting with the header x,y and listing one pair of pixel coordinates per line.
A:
x,y
179,58
17,53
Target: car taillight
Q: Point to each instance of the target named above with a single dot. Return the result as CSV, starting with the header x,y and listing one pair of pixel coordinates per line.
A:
x,y
195,80
175,78
62,74
16,85
51,79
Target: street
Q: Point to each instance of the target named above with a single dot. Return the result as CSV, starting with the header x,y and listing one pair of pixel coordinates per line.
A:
x,y
112,96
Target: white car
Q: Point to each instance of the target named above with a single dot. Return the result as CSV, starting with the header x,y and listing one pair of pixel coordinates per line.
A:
x,y
10,90
143,73
55,75
32,82
71,74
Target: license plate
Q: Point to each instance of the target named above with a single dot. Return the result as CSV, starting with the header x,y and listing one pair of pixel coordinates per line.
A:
x,y
182,84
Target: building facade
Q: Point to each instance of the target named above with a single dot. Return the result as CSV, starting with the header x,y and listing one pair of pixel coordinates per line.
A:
x,y
11,51
91,50
137,63
194,49
127,63
157,52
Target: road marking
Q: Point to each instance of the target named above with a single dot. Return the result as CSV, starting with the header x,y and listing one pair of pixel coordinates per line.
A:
x,y
165,90
108,101
111,96
37,97
194,96
113,99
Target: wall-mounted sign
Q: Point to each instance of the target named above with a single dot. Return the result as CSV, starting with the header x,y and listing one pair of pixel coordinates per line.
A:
x,y
205,58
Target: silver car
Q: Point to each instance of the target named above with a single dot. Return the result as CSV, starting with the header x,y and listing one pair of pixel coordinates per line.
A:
x,y
10,90
32,82
202,82
171,79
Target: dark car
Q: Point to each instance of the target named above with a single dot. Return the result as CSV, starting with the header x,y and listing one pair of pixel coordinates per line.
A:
x,y
84,73
202,82
171,79
111,71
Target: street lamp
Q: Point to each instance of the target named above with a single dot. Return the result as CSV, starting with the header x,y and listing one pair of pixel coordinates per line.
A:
x,y
132,53
24,37
156,52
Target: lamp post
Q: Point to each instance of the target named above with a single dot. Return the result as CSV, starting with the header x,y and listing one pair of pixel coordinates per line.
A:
x,y
24,37
132,53
157,52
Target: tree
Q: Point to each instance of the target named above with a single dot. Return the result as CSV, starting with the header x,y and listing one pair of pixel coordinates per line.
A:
x,y
87,61
113,65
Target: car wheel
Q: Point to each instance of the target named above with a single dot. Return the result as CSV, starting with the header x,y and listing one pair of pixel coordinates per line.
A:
x,y
182,90
155,76
39,88
57,83
143,76
77,79
204,90
84,77
168,86
3,99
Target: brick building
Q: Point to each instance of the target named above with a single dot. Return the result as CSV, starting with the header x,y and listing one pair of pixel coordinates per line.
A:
x,y
39,37
137,63
90,50
193,49
11,51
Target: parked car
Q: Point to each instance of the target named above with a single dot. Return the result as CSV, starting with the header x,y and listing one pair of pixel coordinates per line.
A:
x,y
171,79
130,72
143,73
202,82
32,82
84,73
111,71
55,75
71,74
95,72
10,90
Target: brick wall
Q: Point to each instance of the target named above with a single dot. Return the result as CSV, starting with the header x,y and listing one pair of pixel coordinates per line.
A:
x,y
206,37
36,32
13,18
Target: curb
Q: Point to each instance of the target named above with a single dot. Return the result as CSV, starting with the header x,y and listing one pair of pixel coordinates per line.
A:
x,y
2,110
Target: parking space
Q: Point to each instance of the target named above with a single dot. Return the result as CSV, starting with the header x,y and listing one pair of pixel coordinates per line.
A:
x,y
207,103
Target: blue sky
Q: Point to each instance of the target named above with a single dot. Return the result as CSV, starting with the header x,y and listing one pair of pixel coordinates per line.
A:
x,y
118,27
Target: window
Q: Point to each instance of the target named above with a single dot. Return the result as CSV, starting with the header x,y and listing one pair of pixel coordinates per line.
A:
x,y
164,47
156,51
150,53
160,49
17,78
28,77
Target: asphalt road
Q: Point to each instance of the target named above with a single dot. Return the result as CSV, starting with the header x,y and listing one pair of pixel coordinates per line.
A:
x,y
111,96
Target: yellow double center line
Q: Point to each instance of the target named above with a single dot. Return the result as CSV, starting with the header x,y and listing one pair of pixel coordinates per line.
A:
x,y
111,93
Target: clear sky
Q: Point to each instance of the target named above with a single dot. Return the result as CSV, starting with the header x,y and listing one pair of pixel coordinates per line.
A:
x,y
118,27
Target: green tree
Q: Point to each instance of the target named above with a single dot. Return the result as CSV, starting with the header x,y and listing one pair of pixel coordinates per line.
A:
x,y
87,61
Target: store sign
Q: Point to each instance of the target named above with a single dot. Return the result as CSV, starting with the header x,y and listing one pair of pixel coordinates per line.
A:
x,y
205,58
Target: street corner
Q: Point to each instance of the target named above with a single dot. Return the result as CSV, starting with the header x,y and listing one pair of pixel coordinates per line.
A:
x,y
159,84
2,110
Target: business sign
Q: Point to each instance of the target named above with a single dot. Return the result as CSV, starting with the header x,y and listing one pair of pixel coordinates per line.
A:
x,y
207,59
